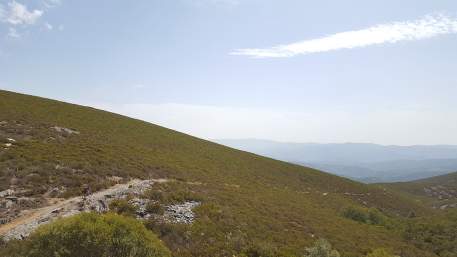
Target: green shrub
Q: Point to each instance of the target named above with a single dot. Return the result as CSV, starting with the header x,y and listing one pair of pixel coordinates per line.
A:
x,y
356,214
322,248
90,234
155,195
174,234
370,216
121,206
375,217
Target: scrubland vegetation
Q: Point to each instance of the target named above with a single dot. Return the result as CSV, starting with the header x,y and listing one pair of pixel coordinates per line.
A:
x,y
250,205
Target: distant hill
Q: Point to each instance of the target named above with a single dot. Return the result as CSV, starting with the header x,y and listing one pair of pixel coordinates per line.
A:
x,y
439,191
248,202
363,162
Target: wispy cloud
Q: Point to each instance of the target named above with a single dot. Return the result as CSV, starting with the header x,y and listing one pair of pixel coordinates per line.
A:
x,y
19,17
426,27
48,26
18,14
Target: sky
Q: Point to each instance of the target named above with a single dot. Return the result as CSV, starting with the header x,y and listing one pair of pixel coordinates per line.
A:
x,y
297,71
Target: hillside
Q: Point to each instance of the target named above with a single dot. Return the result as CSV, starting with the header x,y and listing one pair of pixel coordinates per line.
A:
x,y
440,191
248,201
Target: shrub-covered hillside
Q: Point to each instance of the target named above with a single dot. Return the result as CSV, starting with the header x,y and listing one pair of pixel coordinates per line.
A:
x,y
439,192
249,203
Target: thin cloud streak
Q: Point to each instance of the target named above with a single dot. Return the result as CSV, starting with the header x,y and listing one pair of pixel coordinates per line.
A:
x,y
426,27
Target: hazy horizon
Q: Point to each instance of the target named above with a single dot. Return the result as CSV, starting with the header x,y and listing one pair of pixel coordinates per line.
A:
x,y
135,116
360,161
310,142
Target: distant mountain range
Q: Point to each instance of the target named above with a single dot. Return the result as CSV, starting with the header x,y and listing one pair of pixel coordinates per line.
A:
x,y
359,161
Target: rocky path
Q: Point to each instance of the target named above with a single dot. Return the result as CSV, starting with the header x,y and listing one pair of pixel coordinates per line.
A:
x,y
30,219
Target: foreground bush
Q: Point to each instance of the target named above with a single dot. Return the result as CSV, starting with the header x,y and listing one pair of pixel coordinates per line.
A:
x,y
91,235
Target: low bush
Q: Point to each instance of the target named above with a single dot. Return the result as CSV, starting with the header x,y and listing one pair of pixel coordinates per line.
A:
x,y
173,234
370,216
322,248
123,207
90,234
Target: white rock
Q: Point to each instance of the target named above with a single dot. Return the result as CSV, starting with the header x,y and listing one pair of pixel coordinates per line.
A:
x,y
181,213
65,130
6,192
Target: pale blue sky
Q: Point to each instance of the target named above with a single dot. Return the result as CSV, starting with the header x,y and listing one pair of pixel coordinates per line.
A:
x,y
172,62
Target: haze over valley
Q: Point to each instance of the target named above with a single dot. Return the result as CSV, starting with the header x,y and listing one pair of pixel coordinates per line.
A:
x,y
364,162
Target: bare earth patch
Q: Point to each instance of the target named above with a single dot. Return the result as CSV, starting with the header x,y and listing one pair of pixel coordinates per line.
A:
x,y
29,220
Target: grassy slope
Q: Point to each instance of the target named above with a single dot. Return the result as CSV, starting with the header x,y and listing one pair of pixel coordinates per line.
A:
x,y
264,200
415,189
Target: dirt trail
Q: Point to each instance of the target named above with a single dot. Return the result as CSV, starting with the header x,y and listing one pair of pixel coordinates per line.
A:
x,y
30,219
29,215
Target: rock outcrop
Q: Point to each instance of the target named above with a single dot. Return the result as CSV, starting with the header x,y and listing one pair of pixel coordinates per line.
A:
x,y
181,213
